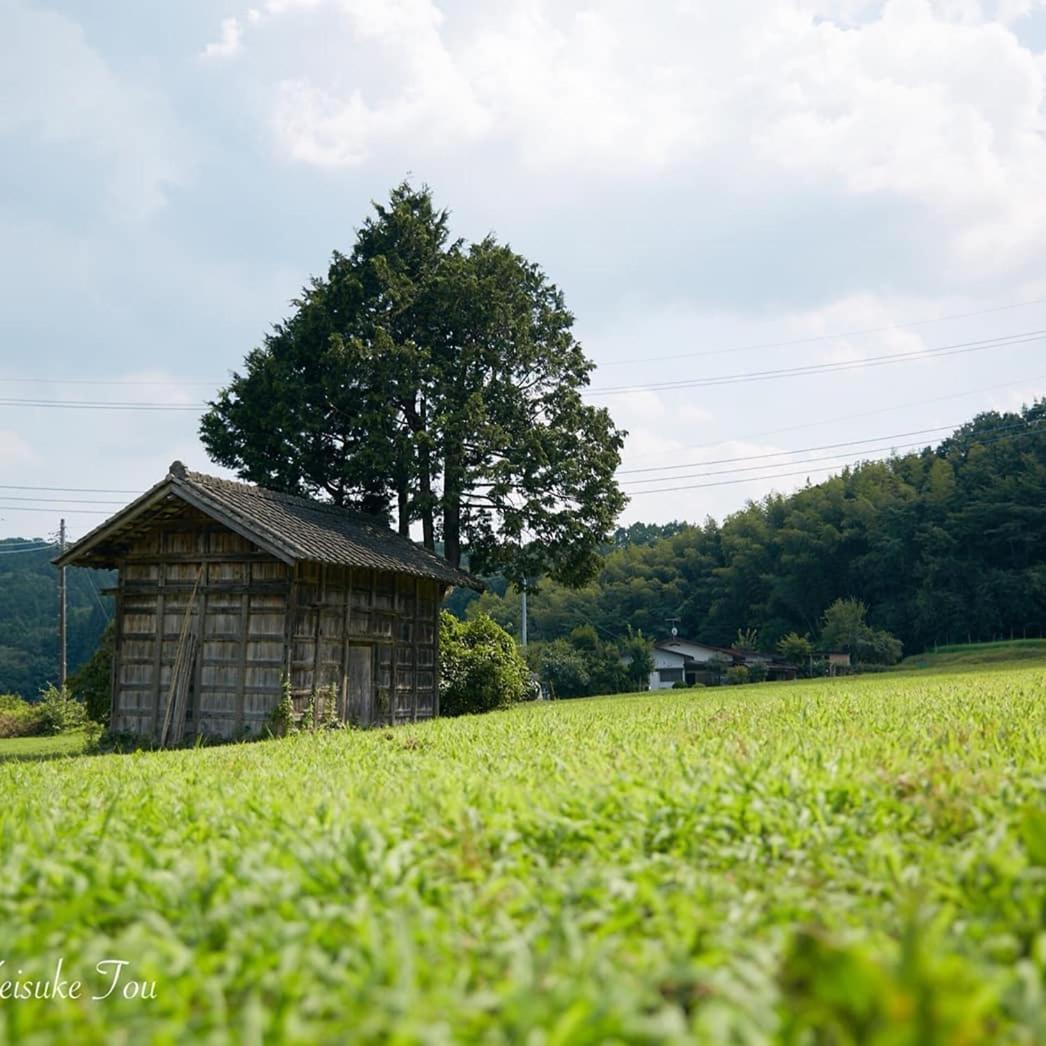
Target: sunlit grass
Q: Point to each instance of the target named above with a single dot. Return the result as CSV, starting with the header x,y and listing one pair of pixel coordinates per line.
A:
x,y
42,747
742,864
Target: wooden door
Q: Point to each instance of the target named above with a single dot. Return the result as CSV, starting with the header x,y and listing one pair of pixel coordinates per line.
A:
x,y
359,703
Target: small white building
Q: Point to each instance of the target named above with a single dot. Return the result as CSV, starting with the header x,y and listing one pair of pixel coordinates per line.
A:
x,y
685,661
675,658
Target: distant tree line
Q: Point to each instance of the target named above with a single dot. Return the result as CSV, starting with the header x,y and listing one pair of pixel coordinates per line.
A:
x,y
29,618
942,546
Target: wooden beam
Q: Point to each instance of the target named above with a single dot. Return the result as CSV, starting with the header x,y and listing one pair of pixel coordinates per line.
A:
x,y
114,673
158,654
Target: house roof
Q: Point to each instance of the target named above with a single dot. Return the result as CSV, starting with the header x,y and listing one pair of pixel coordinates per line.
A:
x,y
290,528
672,645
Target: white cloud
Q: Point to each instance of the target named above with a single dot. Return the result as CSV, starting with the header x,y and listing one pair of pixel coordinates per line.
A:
x,y
430,104
14,450
228,44
935,103
54,86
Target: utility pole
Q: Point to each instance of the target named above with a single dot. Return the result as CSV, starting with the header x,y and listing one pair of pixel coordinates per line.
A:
x,y
61,611
523,614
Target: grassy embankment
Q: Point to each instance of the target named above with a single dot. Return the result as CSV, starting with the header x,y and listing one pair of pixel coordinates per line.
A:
x,y
970,655
866,854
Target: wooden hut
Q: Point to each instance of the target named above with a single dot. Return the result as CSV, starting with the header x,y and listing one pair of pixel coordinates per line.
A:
x,y
226,590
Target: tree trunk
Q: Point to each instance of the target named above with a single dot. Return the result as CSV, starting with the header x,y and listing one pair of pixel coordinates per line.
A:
x,y
416,420
403,509
428,536
452,484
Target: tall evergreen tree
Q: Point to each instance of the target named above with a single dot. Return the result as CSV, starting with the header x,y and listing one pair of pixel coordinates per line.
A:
x,y
441,378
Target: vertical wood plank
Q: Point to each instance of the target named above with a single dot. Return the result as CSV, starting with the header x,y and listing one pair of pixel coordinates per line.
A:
x,y
197,679
438,592
114,671
318,636
158,653
345,618
377,714
414,644
241,671
288,627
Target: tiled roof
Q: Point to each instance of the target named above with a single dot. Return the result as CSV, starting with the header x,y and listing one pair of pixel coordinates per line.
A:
x,y
299,528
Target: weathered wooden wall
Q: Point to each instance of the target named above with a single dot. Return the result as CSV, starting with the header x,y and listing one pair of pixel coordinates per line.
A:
x,y
349,623
371,634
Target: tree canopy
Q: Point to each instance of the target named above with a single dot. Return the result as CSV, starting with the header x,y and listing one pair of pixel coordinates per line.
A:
x,y
29,617
441,378
944,545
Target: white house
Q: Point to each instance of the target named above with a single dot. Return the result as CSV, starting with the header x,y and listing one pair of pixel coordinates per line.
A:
x,y
674,657
685,661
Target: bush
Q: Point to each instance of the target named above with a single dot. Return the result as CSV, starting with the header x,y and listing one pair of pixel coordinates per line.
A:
x,y
59,713
563,667
18,718
680,685
737,674
55,713
480,666
92,681
757,672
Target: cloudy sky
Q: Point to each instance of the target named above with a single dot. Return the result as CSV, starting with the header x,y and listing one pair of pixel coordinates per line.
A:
x,y
721,189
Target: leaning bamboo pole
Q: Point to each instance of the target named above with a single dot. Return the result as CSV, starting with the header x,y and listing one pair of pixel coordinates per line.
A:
x,y
181,673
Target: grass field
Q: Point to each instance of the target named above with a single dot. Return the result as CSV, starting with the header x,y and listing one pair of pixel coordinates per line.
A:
x,y
967,655
862,856
29,748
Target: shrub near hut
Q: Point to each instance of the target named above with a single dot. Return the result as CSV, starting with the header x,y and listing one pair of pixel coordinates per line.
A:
x,y
480,666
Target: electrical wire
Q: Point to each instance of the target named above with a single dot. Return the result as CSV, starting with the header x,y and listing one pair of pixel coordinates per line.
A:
x,y
65,501
959,348
66,511
161,408
780,453
788,343
864,414
890,448
70,490
824,468
759,346
939,352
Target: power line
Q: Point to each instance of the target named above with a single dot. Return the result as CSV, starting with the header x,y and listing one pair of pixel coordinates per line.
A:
x,y
65,501
864,414
808,340
780,453
104,381
803,472
960,348
20,551
78,511
889,448
92,585
71,490
163,408
825,337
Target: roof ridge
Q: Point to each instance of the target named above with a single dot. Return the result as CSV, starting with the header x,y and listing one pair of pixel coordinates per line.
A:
x,y
280,495
215,486
288,526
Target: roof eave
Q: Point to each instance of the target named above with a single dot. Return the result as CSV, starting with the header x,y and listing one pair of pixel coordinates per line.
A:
x,y
191,496
131,512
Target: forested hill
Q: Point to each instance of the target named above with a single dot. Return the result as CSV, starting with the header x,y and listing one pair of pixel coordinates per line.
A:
x,y
945,545
29,616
